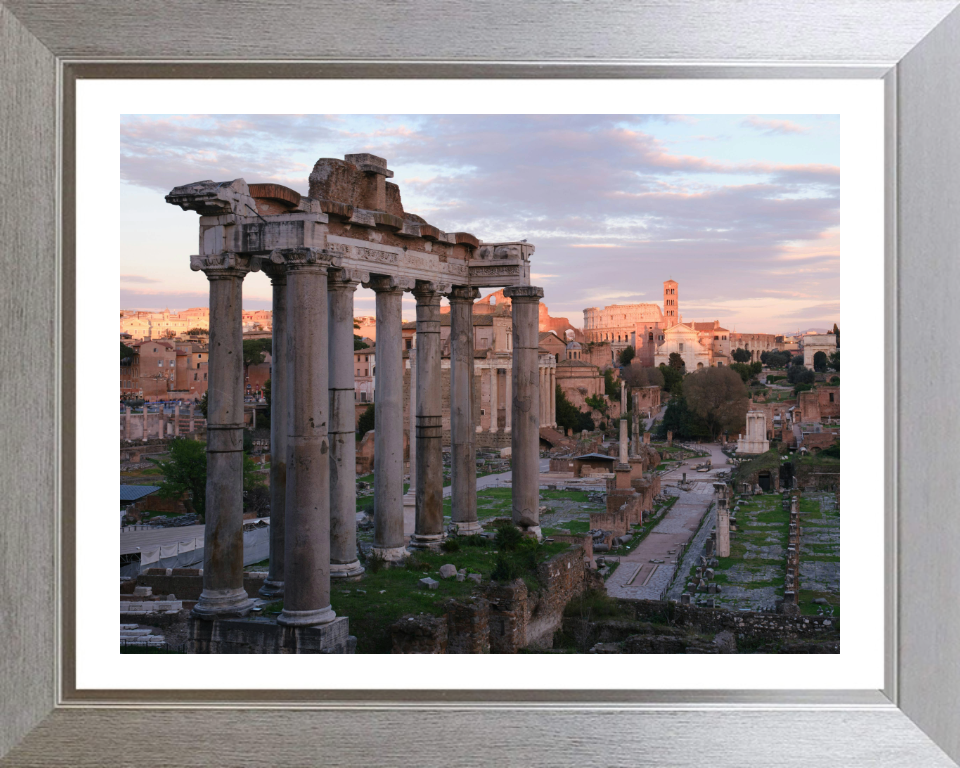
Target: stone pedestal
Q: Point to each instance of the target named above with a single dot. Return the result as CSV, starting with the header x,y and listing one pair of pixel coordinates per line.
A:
x,y
388,540
525,438
464,467
306,592
261,635
341,285
428,460
273,584
223,593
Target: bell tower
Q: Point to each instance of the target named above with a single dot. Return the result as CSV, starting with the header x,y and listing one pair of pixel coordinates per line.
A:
x,y
671,304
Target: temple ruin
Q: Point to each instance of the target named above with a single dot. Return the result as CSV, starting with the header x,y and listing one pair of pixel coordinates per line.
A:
x,y
350,230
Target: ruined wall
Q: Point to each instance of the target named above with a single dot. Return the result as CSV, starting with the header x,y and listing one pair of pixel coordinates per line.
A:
x,y
504,618
765,626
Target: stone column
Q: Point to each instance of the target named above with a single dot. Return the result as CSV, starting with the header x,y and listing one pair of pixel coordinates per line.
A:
x,y
341,285
428,462
464,468
410,497
223,594
525,438
388,436
306,589
553,397
494,404
126,422
279,366
176,420
508,400
193,427
624,455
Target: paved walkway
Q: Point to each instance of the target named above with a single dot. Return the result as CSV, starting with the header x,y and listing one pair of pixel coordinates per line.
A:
x,y
637,576
496,481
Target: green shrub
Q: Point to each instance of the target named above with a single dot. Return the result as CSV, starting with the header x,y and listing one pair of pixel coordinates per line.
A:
x,y
375,562
450,545
508,538
505,569
475,540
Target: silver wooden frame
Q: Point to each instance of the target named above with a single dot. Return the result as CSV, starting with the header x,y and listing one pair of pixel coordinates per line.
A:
x,y
914,45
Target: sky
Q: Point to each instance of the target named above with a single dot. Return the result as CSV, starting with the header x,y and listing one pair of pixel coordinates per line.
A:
x,y
743,211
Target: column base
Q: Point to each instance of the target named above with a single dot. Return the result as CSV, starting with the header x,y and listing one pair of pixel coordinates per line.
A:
x,y
430,541
342,571
535,530
409,512
468,528
390,554
306,618
222,604
235,636
271,589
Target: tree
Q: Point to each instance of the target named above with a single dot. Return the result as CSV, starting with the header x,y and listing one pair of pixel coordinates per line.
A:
x,y
820,361
836,332
202,405
366,421
740,355
835,361
597,402
255,351
197,332
568,415
672,379
796,360
637,376
719,396
610,386
797,374
775,359
676,361
626,355
743,370
359,343
679,419
126,352
186,472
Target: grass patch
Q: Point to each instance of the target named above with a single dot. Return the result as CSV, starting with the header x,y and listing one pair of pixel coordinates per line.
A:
x,y
379,599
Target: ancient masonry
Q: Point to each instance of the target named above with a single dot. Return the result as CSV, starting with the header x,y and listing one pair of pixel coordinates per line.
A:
x,y
317,249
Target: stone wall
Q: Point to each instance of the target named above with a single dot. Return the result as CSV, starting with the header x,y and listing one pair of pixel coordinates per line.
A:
x,y
503,618
187,583
761,626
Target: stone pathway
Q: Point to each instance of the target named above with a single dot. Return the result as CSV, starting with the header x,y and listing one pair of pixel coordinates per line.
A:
x,y
640,579
692,556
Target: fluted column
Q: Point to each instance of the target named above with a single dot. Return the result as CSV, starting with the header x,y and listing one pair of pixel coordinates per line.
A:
x,y
428,462
306,589
553,397
410,497
525,438
273,584
223,594
494,404
508,402
464,469
341,285
388,432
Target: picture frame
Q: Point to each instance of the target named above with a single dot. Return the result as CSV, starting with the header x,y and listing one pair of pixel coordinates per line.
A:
x,y
913,45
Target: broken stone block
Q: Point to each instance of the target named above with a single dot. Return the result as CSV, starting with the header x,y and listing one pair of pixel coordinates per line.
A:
x,y
428,583
685,598
475,577
143,591
448,571
461,574
712,588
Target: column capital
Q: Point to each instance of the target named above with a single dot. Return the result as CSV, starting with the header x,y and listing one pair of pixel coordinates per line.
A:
x,y
426,291
346,279
523,293
304,258
389,283
462,294
225,264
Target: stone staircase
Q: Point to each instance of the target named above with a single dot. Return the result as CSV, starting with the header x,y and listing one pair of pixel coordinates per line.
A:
x,y
133,634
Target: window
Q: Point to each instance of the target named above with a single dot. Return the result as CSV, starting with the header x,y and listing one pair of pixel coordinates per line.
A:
x,y
196,376
204,377
198,366
651,337
716,338
681,346
831,397
159,363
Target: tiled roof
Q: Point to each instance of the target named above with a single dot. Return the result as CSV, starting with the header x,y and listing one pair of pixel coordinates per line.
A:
x,y
134,492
